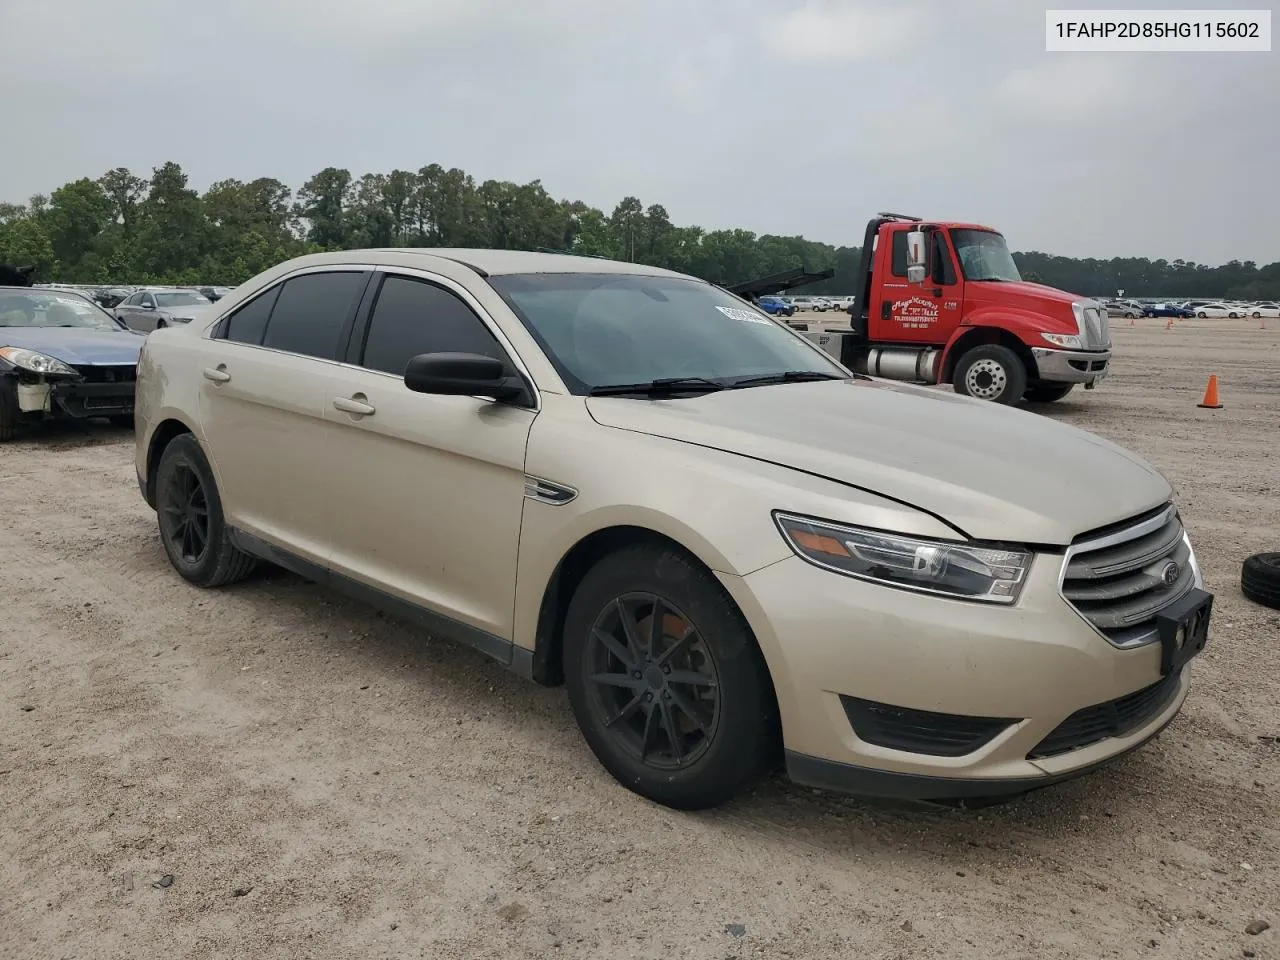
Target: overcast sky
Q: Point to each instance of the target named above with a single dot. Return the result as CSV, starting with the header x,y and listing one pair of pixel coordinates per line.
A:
x,y
781,116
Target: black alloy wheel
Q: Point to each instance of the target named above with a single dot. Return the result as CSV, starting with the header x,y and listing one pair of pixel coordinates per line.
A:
x,y
666,681
654,682
184,514
192,529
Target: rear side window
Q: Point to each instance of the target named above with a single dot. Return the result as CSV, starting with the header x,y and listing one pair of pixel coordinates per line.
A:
x,y
412,317
311,313
248,323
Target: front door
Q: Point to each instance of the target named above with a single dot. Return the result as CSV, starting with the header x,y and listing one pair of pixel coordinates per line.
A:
x,y
262,402
919,313
425,492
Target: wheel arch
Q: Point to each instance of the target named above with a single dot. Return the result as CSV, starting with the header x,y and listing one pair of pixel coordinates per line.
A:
x,y
981,336
548,664
161,437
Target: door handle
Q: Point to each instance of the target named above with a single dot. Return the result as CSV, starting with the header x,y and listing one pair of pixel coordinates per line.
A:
x,y
355,405
937,291
217,374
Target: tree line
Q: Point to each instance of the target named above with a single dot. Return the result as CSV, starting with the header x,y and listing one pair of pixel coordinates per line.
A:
x,y
121,228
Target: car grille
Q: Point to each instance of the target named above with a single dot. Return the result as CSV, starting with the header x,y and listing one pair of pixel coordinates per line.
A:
x,y
1115,718
920,731
108,373
1120,579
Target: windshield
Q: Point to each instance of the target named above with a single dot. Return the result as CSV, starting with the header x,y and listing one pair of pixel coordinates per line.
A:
x,y
183,298
37,308
602,330
984,255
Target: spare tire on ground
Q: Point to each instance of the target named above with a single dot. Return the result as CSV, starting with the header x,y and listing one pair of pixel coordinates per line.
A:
x,y
1260,579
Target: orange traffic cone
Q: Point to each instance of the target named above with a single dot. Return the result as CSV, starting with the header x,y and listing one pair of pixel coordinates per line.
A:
x,y
1131,322
1168,324
1210,400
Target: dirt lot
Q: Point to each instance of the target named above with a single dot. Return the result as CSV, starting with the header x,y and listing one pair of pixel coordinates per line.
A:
x,y
317,781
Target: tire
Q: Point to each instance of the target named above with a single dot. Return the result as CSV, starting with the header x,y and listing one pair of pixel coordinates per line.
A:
x,y
160,324
1201,315
991,372
1131,316
1260,579
738,739
185,491
1048,392
1257,315
8,420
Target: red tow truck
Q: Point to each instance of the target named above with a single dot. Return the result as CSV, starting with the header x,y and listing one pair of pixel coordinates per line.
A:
x,y
941,302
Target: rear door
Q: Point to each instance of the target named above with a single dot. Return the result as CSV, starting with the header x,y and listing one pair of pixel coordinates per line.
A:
x,y
262,404
127,310
426,492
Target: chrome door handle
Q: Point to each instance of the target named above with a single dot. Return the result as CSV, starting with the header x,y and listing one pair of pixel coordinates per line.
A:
x,y
217,375
354,405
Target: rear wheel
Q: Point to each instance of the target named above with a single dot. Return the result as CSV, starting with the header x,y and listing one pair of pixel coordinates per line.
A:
x,y
1048,392
192,527
991,372
666,681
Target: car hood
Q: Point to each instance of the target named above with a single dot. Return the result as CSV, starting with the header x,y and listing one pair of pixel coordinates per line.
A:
x,y
993,472
75,344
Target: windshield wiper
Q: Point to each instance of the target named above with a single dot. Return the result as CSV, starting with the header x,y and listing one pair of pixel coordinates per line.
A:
x,y
786,376
662,386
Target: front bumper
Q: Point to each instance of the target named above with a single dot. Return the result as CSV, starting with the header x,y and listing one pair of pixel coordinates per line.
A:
x,y
1071,366
80,400
831,641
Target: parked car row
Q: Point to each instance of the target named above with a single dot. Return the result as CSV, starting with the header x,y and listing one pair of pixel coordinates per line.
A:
x,y
1211,309
111,296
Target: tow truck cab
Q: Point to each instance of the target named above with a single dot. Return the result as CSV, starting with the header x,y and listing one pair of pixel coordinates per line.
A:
x,y
945,303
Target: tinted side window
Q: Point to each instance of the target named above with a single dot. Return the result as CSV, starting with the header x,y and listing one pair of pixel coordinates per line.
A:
x,y
412,317
898,255
248,323
944,271
311,312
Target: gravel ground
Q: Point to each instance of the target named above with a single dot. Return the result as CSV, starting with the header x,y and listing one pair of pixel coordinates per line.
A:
x,y
271,771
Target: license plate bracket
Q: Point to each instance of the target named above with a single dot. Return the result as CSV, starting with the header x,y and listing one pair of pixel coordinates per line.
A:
x,y
1184,630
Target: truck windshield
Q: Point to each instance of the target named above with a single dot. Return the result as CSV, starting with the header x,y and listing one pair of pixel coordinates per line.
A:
x,y
605,330
984,255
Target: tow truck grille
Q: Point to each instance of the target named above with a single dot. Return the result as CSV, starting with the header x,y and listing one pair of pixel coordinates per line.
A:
x,y
1097,329
1120,579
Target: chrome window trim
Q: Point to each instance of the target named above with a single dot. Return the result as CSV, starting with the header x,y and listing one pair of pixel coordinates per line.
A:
x,y
1150,525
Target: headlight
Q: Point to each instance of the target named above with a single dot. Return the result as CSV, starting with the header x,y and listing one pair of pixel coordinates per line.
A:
x,y
966,571
1063,340
35,362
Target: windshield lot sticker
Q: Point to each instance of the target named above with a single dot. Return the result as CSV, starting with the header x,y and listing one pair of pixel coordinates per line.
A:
x,y
746,316
915,313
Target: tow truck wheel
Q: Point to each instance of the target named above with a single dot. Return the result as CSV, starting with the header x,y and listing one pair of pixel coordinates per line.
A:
x,y
991,372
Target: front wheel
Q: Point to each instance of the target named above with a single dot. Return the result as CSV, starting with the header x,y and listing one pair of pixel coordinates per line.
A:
x,y
1202,315
991,372
666,681
1048,392
192,527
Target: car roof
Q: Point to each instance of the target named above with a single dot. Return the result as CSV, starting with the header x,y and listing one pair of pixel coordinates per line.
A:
x,y
486,262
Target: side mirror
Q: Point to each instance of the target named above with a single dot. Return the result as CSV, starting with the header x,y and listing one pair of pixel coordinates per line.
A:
x,y
917,256
148,306
461,375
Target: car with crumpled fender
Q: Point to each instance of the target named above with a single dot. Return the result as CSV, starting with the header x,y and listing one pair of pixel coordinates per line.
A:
x,y
733,551
63,357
